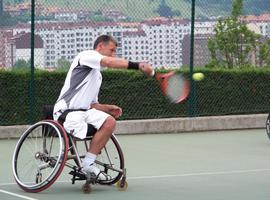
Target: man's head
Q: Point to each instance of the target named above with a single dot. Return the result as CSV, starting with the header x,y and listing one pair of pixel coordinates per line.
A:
x,y
106,45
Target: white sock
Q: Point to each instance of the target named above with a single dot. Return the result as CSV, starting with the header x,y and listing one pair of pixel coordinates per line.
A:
x,y
88,159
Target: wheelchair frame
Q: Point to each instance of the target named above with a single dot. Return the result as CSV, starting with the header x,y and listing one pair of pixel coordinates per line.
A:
x,y
46,148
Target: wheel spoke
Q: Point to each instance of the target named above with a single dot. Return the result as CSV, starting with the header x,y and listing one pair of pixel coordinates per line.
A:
x,y
41,150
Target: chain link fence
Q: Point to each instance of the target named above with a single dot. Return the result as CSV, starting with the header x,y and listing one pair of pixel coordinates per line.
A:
x,y
227,34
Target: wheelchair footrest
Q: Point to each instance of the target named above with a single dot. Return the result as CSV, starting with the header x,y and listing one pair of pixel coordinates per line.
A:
x,y
77,176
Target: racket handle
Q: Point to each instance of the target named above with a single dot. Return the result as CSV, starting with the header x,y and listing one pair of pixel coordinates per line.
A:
x,y
153,73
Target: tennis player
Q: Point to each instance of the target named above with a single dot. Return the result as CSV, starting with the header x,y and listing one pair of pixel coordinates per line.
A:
x,y
78,106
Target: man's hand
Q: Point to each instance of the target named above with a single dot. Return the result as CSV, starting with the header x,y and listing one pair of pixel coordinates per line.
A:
x,y
115,111
112,110
146,68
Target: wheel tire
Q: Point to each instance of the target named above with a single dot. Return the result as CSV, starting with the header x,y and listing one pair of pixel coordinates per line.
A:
x,y
42,146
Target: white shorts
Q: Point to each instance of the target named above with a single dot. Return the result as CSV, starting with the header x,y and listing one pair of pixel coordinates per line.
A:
x,y
77,122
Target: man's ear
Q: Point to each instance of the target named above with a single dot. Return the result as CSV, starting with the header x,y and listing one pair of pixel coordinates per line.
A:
x,y
99,46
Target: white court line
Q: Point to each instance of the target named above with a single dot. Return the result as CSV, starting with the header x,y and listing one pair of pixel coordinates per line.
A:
x,y
3,184
201,174
17,195
180,175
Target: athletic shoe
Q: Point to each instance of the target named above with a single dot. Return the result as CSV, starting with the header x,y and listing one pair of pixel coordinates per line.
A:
x,y
93,171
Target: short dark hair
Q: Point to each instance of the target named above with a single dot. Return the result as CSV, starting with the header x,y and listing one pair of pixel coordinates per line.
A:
x,y
104,39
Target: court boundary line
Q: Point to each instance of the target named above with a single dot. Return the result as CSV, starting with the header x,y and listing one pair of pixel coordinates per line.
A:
x,y
17,195
201,174
178,175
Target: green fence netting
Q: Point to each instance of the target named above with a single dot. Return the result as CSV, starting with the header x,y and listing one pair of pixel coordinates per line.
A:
x,y
231,46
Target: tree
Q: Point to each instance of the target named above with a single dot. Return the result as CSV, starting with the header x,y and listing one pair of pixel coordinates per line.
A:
x,y
164,10
264,52
177,13
22,64
18,1
7,20
233,41
237,9
63,64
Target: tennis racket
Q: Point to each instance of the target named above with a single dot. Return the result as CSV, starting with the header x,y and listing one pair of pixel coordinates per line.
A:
x,y
173,85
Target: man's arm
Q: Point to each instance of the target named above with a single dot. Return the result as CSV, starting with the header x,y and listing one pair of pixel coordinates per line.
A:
x,y
114,62
113,110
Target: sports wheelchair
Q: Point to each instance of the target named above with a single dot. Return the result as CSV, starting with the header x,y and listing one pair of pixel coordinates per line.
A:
x,y
45,148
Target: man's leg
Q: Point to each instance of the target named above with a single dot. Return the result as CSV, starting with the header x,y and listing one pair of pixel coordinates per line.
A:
x,y
98,141
102,136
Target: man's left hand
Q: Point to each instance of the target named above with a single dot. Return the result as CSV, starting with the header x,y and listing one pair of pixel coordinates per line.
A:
x,y
115,111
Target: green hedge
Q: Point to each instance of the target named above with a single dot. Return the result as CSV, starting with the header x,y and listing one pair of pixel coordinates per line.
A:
x,y
233,92
222,92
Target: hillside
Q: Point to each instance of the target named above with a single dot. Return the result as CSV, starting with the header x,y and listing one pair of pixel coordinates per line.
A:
x,y
251,7
141,9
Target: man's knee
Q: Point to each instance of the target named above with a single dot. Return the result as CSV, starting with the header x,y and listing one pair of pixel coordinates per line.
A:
x,y
110,123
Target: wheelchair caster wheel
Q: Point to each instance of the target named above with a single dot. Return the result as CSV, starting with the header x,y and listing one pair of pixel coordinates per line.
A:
x,y
122,185
86,188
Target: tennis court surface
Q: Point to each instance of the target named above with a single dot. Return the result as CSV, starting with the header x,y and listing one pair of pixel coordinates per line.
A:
x,y
204,165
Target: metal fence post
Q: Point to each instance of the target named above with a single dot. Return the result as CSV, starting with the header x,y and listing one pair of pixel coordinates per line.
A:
x,y
31,85
192,102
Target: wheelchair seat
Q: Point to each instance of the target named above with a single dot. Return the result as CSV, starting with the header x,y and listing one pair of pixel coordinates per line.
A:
x,y
47,114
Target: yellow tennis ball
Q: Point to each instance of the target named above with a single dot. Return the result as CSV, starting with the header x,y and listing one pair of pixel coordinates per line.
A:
x,y
198,76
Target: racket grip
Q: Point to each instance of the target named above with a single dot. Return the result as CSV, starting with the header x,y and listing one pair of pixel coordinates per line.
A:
x,y
153,73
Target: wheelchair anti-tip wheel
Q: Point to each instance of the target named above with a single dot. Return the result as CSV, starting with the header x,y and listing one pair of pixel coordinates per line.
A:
x,y
122,185
40,156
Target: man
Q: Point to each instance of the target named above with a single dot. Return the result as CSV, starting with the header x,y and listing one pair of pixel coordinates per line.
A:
x,y
78,99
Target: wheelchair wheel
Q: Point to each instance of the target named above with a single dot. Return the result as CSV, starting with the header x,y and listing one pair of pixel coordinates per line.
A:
x,y
268,126
40,156
110,159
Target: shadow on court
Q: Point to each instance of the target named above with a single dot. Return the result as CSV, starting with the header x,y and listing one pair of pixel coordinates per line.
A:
x,y
209,165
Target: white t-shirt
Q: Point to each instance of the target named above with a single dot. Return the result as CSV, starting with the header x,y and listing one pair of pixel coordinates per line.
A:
x,y
82,83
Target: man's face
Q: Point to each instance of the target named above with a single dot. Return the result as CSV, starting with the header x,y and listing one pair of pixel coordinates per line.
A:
x,y
107,49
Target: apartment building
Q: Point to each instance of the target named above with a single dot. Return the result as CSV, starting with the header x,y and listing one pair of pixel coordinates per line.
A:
x,y
201,53
165,38
135,46
22,49
262,22
204,27
204,30
66,40
6,46
18,47
156,40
